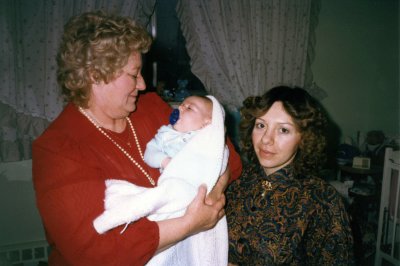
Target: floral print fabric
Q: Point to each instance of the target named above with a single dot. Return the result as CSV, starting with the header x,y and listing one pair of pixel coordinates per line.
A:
x,y
283,219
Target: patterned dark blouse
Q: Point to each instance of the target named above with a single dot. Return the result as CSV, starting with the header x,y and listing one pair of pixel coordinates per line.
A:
x,y
278,219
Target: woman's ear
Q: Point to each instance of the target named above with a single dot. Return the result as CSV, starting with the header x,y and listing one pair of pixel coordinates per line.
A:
x,y
95,77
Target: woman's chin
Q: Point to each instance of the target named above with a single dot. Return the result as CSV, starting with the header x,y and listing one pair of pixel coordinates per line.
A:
x,y
130,108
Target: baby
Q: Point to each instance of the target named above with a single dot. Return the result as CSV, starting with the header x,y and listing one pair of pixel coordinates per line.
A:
x,y
194,113
193,146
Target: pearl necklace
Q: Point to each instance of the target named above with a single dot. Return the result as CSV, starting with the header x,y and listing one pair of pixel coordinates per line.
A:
x,y
97,125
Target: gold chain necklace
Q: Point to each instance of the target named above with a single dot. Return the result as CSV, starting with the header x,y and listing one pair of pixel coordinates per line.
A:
x,y
97,125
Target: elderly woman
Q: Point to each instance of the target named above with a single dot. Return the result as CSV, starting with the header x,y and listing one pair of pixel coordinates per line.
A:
x,y
101,135
279,211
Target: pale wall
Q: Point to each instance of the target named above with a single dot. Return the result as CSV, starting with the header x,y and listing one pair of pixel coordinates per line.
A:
x,y
19,219
357,64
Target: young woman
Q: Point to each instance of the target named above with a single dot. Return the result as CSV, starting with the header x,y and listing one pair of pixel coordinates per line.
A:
x,y
279,211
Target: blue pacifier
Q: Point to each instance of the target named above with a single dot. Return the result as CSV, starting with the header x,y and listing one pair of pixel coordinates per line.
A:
x,y
174,116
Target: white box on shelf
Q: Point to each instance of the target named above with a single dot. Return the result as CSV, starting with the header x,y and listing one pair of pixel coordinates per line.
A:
x,y
361,162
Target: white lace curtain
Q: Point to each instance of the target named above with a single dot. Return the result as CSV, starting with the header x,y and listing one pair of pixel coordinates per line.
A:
x,y
237,48
30,32
240,48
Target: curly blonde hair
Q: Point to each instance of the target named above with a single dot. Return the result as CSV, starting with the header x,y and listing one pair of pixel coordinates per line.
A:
x,y
308,116
95,47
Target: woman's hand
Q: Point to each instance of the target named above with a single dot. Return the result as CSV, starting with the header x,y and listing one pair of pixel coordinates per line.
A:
x,y
203,215
218,191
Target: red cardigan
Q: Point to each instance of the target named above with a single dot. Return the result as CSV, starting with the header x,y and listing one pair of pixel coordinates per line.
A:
x,y
71,161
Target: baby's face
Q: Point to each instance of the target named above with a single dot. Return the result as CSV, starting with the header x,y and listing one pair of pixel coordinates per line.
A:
x,y
194,113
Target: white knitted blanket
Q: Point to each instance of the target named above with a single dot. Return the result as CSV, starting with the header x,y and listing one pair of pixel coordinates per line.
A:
x,y
201,161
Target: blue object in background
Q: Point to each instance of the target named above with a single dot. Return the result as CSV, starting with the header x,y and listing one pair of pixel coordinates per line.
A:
x,y
168,94
181,92
346,153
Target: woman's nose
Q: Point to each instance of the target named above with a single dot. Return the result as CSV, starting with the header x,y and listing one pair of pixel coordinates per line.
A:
x,y
140,83
267,138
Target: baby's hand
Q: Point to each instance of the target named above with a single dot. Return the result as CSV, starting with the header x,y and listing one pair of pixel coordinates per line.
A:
x,y
165,162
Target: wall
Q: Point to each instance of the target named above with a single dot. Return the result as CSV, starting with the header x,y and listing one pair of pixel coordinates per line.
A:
x,y
357,64
19,222
22,238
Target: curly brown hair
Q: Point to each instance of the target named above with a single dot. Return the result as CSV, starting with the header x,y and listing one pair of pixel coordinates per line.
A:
x,y
308,116
94,48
